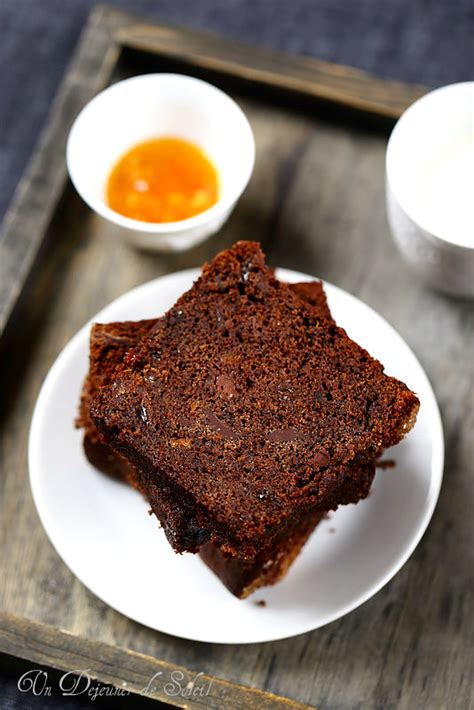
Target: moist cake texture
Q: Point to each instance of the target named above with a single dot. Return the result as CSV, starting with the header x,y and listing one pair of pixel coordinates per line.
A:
x,y
108,346
110,343
244,411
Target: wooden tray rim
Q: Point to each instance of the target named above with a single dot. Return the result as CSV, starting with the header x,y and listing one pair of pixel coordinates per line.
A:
x,y
125,669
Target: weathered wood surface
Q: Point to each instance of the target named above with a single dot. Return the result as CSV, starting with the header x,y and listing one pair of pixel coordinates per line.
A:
x,y
313,77
129,671
316,201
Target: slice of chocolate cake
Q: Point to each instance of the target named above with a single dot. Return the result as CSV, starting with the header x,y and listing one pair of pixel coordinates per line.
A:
x,y
109,343
108,346
245,413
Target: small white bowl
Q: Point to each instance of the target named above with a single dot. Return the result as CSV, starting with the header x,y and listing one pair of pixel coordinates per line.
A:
x,y
150,106
429,175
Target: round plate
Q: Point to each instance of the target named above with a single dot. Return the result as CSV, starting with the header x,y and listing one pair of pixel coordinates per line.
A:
x,y
103,532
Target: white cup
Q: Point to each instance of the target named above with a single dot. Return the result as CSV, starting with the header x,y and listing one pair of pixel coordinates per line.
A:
x,y
430,187
149,106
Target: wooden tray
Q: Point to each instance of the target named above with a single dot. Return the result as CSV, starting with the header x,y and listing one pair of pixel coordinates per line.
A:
x,y
316,201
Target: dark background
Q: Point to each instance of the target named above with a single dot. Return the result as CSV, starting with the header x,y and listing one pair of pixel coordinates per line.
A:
x,y
424,41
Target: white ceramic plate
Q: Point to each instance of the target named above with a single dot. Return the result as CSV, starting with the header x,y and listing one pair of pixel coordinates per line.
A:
x,y
102,531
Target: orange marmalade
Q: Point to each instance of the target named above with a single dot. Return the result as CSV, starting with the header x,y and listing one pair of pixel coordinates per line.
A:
x,y
163,180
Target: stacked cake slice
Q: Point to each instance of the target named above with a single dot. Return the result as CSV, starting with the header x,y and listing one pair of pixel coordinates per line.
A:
x,y
243,415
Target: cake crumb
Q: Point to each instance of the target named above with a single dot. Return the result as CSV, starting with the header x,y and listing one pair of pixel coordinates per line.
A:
x,y
386,463
332,530
261,602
